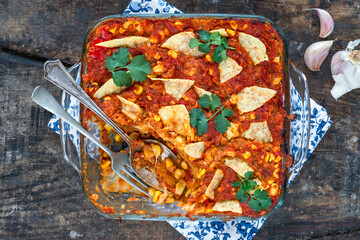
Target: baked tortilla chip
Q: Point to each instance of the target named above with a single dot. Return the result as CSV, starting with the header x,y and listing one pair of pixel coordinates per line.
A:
x,y
201,92
229,68
108,88
228,206
214,184
238,165
231,130
254,47
195,150
130,42
176,118
251,98
176,87
132,110
180,43
258,131
222,32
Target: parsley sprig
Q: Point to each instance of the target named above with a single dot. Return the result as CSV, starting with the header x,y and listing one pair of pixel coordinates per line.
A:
x,y
138,68
208,39
199,120
259,199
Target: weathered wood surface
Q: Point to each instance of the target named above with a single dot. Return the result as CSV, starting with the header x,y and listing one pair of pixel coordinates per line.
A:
x,y
40,194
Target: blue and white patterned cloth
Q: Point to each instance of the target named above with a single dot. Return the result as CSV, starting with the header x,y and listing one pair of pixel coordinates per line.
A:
x,y
206,230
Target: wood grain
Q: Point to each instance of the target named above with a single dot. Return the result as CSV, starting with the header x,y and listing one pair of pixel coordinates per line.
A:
x,y
41,195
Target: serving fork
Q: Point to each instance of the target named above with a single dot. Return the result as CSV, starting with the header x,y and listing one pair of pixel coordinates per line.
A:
x,y
56,73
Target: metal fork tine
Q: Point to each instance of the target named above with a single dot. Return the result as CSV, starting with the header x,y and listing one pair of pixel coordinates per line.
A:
x,y
132,175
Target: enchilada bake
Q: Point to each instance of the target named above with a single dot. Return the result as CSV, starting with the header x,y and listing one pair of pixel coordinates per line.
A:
x,y
212,90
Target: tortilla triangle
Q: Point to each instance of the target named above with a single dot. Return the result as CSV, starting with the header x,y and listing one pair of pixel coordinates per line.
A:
x,y
254,47
251,98
180,43
108,88
258,131
229,68
228,206
132,110
195,150
130,42
176,118
176,87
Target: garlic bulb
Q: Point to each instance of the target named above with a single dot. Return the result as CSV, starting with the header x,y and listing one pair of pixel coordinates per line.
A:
x,y
316,53
326,22
345,70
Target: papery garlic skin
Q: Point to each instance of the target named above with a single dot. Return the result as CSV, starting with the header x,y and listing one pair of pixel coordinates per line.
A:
x,y
326,22
345,69
316,53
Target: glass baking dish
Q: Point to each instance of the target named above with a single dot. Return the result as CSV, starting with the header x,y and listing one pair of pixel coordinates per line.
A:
x,y
297,139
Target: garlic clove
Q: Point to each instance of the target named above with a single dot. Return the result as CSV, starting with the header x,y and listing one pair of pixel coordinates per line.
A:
x,y
337,64
326,22
316,53
345,69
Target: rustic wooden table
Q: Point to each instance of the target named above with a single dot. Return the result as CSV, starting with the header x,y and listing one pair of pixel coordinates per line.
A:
x,y
40,194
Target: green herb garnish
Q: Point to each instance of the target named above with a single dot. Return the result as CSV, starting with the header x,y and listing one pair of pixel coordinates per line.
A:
x,y
138,68
259,199
208,39
199,120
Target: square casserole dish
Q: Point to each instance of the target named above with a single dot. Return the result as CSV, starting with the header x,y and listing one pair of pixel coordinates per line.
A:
x,y
113,205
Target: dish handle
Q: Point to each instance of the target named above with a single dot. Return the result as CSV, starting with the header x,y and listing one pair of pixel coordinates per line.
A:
x,y
69,138
300,125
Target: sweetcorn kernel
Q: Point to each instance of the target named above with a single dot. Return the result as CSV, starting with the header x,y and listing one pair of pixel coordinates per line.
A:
x,y
270,181
233,25
208,57
267,157
273,191
172,54
107,127
105,155
252,116
184,165
253,146
278,159
234,98
185,98
106,164
138,89
153,39
157,118
211,72
127,24
112,30
158,68
107,98
179,173
246,155
118,138
272,157
231,32
156,196
201,173
178,23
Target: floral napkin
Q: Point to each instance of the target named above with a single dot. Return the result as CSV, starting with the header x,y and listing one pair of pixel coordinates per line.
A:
x,y
199,230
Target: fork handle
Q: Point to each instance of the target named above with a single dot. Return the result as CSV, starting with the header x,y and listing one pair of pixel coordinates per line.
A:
x,y
44,99
56,73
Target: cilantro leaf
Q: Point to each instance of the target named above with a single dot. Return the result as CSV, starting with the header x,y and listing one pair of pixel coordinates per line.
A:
x,y
236,184
228,112
242,196
216,38
224,42
249,174
195,115
122,78
221,123
199,120
212,102
205,35
254,205
194,43
263,197
139,68
259,199
204,47
219,54
119,59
